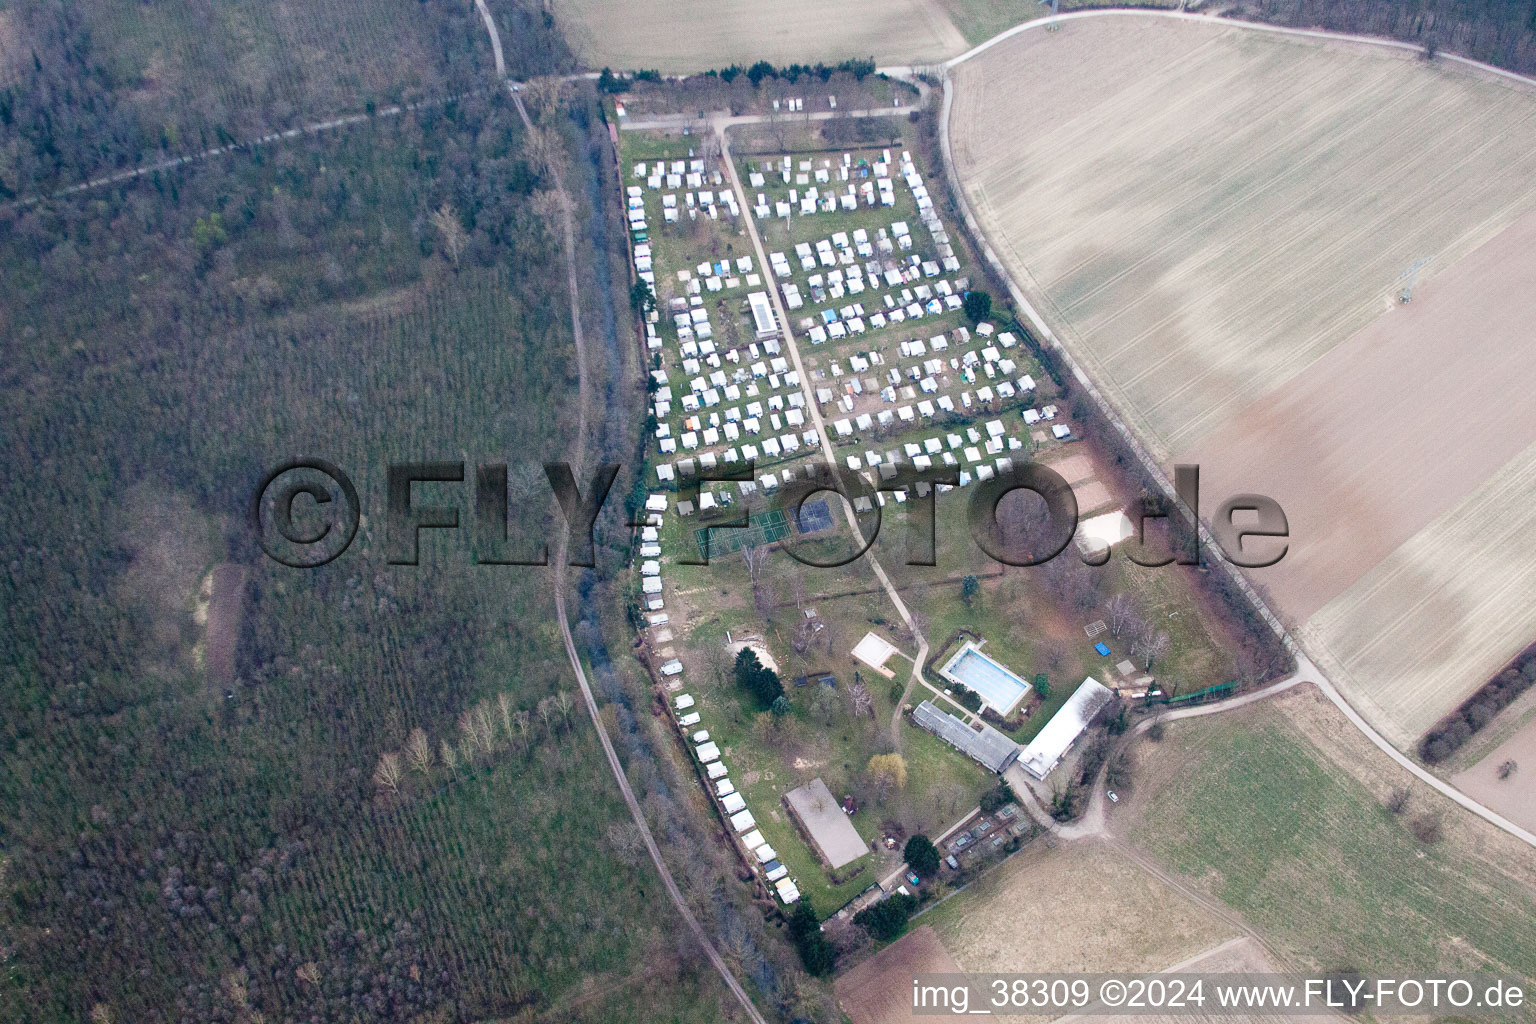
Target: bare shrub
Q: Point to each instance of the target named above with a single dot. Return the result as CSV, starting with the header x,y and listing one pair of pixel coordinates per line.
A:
x,y
1427,828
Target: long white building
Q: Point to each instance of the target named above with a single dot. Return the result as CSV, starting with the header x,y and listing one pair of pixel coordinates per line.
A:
x,y
1050,744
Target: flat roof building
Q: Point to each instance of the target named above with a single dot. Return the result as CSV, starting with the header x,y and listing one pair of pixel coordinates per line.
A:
x,y
762,315
822,818
988,747
1049,745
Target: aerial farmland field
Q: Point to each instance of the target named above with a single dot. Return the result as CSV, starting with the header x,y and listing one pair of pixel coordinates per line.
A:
x,y
693,36
1281,815
1202,210
1221,237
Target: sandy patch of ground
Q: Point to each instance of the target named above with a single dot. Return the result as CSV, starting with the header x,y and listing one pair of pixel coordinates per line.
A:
x,y
1514,797
758,648
879,990
226,613
1092,497
690,35
1074,469
1079,471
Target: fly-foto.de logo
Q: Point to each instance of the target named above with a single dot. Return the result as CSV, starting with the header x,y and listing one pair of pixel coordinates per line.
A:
x,y
305,513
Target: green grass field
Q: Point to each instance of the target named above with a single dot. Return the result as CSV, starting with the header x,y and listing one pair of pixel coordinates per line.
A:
x,y
980,20
1253,812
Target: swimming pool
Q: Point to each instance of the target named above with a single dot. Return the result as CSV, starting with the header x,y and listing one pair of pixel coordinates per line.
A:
x,y
998,685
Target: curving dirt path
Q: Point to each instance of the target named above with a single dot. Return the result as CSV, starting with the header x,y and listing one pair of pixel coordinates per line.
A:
x,y
1094,822
558,573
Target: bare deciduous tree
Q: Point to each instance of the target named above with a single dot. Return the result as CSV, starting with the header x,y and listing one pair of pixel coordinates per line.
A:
x,y
484,732
863,703
451,232
418,749
542,147
564,705
504,705
1152,645
777,125
755,556
887,772
450,759
547,712
388,772
1119,613
542,96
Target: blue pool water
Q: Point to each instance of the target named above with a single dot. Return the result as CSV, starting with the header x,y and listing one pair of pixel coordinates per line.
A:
x,y
998,686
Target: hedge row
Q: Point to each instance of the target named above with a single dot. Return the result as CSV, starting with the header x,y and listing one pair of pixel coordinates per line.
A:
x,y
1478,710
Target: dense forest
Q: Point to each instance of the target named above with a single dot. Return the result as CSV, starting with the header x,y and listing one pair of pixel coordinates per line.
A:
x,y
1497,32
234,791
90,88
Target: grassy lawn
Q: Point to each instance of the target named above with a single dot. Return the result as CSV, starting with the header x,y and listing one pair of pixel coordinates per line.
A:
x,y
980,20
822,738
1255,813
1031,631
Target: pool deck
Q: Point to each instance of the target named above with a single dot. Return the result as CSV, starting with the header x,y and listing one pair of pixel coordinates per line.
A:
x,y
971,646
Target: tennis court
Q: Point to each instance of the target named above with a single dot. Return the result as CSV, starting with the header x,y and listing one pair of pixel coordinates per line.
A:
x,y
814,516
762,528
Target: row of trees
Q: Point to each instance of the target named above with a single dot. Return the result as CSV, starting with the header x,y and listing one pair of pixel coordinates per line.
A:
x,y
887,919
489,726
1499,33
1452,732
